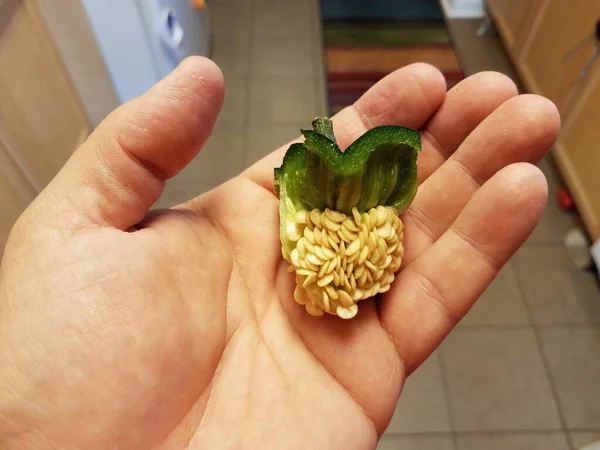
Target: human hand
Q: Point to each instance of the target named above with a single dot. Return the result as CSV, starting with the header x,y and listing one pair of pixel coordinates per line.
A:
x,y
125,329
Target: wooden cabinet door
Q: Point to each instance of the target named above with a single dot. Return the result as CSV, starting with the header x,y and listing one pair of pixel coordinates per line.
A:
x,y
578,154
515,18
15,194
560,26
41,119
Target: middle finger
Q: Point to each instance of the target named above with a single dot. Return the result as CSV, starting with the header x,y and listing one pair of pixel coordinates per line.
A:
x,y
520,130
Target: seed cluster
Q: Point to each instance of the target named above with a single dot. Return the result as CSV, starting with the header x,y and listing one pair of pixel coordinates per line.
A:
x,y
340,260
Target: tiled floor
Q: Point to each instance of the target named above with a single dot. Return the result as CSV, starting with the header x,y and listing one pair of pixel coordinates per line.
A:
x,y
522,370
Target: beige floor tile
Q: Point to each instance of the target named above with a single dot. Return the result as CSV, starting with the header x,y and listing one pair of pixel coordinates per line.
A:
x,y
422,442
264,139
283,56
278,18
277,100
581,438
513,441
500,304
554,222
573,356
232,55
422,405
221,159
230,18
495,380
553,289
178,191
235,104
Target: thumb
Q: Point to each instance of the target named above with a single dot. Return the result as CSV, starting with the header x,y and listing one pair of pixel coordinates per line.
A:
x,y
120,171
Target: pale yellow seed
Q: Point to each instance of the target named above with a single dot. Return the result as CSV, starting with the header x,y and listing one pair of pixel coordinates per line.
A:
x,y
365,219
319,253
325,301
372,217
358,293
314,310
309,236
356,215
341,275
331,292
390,250
353,257
359,271
374,257
328,253
347,313
387,262
300,216
369,277
334,237
381,246
381,216
291,268
390,215
370,265
315,217
332,265
303,272
335,216
362,238
363,278
375,288
350,225
322,270
317,235
352,282
292,233
313,259
300,296
342,249
325,280
347,236
325,240
295,257
311,278
349,269
353,248
384,288
347,284
379,274
301,247
385,231
336,278
330,225
333,244
363,255
345,299
344,263
309,223
372,241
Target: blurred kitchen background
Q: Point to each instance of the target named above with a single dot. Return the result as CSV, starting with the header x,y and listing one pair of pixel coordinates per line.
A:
x,y
522,370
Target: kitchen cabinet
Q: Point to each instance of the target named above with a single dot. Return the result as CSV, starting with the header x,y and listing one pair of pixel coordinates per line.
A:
x,y
42,120
550,43
515,19
578,153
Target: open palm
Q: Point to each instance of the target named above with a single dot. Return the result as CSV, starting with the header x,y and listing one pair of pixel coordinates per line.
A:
x,y
125,329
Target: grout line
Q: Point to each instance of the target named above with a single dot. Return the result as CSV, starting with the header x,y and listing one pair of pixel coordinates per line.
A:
x,y
545,364
446,390
506,432
245,125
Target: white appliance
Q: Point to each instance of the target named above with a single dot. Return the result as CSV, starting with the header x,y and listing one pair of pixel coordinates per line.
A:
x,y
463,9
143,40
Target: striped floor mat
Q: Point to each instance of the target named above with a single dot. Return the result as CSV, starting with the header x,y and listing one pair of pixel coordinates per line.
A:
x,y
358,54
